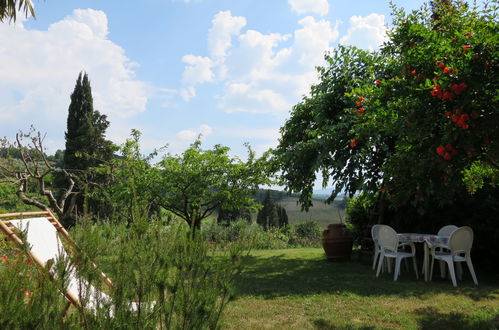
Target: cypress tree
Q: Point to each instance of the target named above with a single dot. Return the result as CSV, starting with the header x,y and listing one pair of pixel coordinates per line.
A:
x,y
282,215
86,145
267,216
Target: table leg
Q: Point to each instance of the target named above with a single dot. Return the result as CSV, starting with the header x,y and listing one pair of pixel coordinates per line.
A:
x,y
426,261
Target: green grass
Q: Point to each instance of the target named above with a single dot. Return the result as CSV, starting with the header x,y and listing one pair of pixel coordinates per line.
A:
x,y
299,289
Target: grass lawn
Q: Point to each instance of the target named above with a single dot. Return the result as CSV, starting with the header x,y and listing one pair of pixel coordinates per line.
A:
x,y
299,289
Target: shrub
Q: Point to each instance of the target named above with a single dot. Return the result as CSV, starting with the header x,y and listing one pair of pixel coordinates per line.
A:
x,y
360,215
190,280
306,234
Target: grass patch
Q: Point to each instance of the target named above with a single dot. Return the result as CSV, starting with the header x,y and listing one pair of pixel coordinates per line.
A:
x,y
298,288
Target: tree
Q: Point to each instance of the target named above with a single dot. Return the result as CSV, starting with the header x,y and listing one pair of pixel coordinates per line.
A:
x,y
225,217
31,173
267,217
271,215
86,145
198,182
406,122
282,215
9,11
321,131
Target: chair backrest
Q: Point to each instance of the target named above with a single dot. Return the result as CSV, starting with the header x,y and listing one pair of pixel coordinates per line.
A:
x,y
387,237
447,230
375,232
461,240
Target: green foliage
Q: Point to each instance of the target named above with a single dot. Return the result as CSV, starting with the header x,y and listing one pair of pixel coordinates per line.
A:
x,y
29,298
9,10
132,184
86,145
296,235
189,280
227,216
198,182
318,135
9,202
361,215
191,186
478,174
271,215
406,120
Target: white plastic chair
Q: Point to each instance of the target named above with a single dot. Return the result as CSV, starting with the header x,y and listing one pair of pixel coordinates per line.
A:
x,y
444,231
460,242
447,230
377,250
389,248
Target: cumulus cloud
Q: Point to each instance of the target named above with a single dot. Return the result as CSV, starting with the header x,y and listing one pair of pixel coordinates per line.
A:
x,y
320,7
39,70
223,27
198,69
260,73
368,32
191,135
261,78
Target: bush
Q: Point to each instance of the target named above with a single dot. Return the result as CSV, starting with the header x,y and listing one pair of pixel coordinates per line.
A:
x,y
190,280
360,216
298,235
306,234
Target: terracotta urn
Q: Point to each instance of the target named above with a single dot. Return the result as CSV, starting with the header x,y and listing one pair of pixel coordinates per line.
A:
x,y
337,242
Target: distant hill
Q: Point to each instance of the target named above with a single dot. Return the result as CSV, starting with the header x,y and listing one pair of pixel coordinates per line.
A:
x,y
320,212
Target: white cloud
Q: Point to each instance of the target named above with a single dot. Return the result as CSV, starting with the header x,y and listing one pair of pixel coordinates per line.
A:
x,y
188,93
191,135
39,69
205,130
320,7
198,69
258,74
187,135
367,32
224,26
264,79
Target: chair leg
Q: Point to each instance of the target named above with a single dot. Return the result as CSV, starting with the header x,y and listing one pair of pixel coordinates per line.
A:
x,y
442,269
415,266
472,270
380,262
375,257
389,264
397,268
459,270
450,263
431,268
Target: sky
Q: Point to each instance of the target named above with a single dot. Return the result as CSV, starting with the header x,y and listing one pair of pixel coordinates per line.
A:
x,y
230,70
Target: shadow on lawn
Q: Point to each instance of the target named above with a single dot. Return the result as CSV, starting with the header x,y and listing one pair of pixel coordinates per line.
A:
x,y
280,275
429,318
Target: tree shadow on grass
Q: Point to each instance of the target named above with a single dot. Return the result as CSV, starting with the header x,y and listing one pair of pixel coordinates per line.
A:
x,y
430,318
280,275
321,324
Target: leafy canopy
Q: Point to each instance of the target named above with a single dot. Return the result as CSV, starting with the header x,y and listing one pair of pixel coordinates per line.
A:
x,y
405,121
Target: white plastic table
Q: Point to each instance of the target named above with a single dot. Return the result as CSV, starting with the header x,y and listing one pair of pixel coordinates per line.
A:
x,y
428,240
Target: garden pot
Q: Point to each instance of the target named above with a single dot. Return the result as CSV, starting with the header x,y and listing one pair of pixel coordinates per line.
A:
x,y
337,242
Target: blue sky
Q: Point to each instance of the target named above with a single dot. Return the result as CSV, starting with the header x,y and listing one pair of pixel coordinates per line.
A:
x,y
227,69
